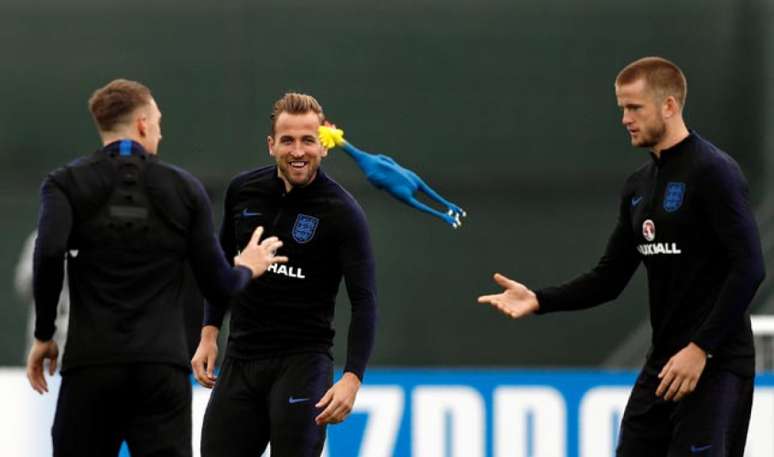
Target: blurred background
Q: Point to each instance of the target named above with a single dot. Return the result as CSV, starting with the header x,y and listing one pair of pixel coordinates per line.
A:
x,y
505,107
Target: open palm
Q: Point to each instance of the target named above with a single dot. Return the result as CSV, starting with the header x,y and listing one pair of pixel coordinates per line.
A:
x,y
515,301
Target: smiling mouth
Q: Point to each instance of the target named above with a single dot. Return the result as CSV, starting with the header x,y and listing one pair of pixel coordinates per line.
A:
x,y
297,164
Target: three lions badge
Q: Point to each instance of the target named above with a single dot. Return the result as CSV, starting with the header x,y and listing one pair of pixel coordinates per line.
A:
x,y
305,228
673,197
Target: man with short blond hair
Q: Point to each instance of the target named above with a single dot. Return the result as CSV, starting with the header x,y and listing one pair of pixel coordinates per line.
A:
x,y
275,383
686,216
127,223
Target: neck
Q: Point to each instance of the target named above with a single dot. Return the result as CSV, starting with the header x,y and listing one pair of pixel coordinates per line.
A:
x,y
673,136
112,137
288,186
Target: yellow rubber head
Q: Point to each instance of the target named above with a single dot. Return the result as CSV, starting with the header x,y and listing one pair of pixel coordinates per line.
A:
x,y
331,137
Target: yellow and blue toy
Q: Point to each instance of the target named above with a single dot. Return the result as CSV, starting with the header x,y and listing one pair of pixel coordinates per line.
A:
x,y
384,173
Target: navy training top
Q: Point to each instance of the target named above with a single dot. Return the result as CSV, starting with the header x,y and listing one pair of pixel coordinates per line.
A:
x,y
290,308
687,217
125,289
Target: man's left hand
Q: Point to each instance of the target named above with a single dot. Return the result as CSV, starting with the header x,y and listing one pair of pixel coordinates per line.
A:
x,y
681,373
41,350
338,400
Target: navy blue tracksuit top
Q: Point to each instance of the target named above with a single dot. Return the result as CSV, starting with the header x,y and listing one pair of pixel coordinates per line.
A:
x,y
686,215
289,309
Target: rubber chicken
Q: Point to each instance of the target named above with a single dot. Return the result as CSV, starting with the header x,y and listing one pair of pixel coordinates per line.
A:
x,y
384,173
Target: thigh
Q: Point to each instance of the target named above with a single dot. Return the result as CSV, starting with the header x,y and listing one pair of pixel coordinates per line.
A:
x,y
645,429
302,381
89,419
712,421
160,411
236,422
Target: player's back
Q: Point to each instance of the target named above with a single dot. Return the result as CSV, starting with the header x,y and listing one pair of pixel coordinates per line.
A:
x,y
132,219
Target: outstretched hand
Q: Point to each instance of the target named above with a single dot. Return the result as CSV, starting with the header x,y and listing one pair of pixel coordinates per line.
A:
x,y
515,301
259,255
41,350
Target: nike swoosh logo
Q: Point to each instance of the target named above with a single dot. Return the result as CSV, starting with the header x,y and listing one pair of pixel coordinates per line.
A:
x,y
248,213
695,449
293,401
636,201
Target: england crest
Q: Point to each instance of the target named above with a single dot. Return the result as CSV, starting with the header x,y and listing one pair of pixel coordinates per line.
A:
x,y
304,228
673,197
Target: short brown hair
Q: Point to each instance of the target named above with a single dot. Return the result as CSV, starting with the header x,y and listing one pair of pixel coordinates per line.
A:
x,y
295,103
661,76
110,105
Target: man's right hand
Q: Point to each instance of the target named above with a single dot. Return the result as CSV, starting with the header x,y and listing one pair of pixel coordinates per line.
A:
x,y
203,362
259,255
515,301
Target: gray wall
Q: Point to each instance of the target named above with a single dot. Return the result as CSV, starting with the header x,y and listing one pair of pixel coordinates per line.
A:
x,y
505,107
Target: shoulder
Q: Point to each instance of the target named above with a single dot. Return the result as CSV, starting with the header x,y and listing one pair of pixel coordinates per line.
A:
x,y
714,165
80,170
179,175
251,177
341,199
80,162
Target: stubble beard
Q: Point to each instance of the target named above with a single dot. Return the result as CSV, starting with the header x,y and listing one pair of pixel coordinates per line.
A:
x,y
287,172
652,135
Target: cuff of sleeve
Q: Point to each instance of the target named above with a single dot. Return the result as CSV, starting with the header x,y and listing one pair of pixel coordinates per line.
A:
x,y
357,372
704,346
213,315
544,301
44,335
245,275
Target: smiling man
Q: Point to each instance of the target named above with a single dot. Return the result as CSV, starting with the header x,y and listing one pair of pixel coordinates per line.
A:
x,y
275,383
685,214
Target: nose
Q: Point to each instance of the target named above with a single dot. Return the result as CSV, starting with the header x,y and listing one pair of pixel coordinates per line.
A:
x,y
626,118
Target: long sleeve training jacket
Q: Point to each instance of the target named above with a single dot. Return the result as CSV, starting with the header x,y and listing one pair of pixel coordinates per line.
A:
x,y
128,223
687,217
289,309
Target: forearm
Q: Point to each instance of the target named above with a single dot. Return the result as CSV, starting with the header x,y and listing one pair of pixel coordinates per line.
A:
x,y
361,288
217,278
47,286
360,341
731,305
54,225
602,284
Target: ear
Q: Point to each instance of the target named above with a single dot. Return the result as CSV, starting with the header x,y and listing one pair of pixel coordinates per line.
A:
x,y
141,124
670,107
270,143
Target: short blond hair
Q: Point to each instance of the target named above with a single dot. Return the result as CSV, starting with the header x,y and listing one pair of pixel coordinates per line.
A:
x,y
661,76
295,103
